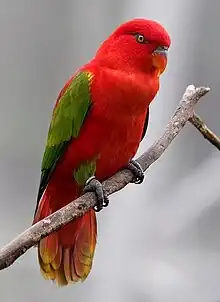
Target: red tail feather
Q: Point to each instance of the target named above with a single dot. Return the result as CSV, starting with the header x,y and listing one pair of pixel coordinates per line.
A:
x,y
66,255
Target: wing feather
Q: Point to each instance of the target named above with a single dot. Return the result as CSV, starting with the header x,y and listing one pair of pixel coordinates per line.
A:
x,y
70,111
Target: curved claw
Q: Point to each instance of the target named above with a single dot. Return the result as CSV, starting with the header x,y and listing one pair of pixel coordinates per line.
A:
x,y
137,170
106,201
93,185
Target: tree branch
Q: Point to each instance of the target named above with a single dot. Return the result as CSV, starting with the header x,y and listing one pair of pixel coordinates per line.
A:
x,y
14,249
205,131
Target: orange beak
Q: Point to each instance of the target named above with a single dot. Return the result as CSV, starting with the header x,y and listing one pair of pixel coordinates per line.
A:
x,y
160,59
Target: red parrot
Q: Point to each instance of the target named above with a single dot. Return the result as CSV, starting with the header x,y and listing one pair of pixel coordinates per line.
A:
x,y
99,119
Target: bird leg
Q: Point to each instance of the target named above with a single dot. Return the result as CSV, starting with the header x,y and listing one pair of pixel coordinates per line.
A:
x,y
93,185
137,170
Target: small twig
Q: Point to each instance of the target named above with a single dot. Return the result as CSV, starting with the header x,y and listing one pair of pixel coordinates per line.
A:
x,y
205,131
14,249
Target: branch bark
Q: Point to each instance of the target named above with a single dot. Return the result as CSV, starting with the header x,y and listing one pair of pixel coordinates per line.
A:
x,y
185,111
205,131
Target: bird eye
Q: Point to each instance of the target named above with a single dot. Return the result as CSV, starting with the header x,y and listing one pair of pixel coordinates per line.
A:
x,y
140,38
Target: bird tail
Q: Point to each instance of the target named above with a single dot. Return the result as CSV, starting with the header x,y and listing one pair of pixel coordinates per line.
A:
x,y
66,255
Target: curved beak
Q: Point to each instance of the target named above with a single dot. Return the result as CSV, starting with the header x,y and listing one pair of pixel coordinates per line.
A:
x,y
160,58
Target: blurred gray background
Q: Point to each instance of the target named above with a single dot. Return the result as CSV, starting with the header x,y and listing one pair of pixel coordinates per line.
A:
x,y
159,242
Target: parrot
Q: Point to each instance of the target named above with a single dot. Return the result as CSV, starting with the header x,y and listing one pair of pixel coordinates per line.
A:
x,y
98,122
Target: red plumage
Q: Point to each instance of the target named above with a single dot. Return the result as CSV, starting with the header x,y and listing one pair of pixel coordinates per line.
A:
x,y
125,79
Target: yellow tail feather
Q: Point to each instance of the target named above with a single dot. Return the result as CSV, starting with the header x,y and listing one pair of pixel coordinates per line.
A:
x,y
69,260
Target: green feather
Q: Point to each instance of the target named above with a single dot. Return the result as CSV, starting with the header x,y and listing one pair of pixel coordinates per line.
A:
x,y
67,120
84,171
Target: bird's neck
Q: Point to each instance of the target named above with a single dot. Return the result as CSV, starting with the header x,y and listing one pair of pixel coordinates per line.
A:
x,y
113,57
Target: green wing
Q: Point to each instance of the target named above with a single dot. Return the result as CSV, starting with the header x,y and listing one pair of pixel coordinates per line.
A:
x,y
68,117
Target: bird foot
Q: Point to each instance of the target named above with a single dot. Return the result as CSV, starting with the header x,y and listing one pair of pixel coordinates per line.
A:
x,y
93,185
137,170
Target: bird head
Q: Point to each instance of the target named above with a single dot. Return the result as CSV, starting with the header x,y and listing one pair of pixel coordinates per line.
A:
x,y
139,44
